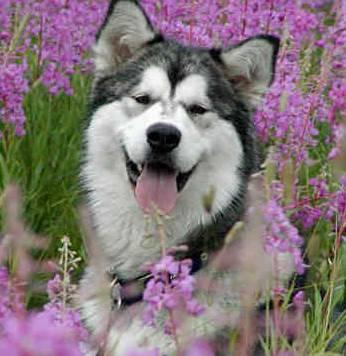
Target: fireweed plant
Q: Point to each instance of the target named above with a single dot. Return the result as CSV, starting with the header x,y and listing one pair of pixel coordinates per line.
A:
x,y
45,58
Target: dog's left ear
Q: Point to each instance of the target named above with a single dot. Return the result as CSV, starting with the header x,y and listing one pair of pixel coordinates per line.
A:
x,y
125,30
250,66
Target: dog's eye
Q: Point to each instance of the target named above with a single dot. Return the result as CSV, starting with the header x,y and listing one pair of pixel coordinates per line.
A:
x,y
197,110
142,99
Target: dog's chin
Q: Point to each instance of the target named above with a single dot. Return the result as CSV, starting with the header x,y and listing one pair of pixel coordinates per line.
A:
x,y
158,168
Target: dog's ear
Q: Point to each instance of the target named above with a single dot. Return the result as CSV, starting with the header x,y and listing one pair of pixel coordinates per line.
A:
x,y
125,30
250,66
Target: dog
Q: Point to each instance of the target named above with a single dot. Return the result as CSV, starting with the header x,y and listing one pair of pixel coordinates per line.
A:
x,y
169,125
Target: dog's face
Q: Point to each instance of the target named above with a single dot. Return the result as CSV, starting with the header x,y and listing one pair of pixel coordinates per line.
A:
x,y
170,121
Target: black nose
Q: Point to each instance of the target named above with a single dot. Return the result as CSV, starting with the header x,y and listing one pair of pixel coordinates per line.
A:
x,y
163,137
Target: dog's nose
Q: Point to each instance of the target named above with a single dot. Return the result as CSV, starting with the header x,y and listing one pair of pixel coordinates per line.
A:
x,y
163,137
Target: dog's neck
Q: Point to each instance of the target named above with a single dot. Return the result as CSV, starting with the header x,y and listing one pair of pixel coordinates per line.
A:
x,y
199,246
203,241
121,228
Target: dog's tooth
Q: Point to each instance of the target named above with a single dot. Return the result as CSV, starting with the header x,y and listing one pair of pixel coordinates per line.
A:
x,y
139,167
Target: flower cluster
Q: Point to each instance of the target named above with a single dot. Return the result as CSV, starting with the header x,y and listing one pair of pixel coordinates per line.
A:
x,y
219,23
10,302
13,86
171,287
37,334
281,235
60,314
57,330
57,34
199,347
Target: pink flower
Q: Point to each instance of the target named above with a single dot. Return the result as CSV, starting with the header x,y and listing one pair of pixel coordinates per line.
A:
x,y
170,287
142,352
37,335
281,235
199,348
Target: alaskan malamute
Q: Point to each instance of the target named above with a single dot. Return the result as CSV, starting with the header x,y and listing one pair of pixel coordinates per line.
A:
x,y
169,125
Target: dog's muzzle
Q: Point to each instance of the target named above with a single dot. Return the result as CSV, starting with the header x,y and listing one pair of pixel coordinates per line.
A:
x,y
157,181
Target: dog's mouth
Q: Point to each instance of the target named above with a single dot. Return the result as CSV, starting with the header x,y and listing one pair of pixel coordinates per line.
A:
x,y
156,184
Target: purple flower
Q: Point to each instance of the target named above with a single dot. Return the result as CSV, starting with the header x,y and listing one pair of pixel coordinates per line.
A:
x,y
58,34
5,305
142,352
10,298
170,287
66,317
13,87
199,348
54,287
298,300
37,335
281,235
61,314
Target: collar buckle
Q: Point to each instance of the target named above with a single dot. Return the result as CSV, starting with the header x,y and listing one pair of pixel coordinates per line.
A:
x,y
116,294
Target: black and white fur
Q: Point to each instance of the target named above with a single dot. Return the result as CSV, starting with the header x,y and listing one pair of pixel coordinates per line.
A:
x,y
142,79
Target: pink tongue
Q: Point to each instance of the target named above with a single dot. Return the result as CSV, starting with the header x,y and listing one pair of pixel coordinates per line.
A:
x,y
156,189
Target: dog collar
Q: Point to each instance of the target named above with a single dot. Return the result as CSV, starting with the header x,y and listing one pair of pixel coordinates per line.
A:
x,y
127,292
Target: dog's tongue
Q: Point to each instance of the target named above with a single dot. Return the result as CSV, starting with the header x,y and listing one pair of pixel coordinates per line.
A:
x,y
156,188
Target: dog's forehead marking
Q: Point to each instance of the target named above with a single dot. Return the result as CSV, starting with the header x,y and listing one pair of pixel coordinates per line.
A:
x,y
192,90
155,82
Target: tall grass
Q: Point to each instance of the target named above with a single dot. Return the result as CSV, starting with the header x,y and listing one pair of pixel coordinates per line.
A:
x,y
45,162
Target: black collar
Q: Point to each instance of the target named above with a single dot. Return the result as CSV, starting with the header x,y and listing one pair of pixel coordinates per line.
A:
x,y
201,243
127,292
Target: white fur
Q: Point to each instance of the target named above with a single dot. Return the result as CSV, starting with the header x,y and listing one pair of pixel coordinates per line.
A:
x,y
215,151
193,90
155,83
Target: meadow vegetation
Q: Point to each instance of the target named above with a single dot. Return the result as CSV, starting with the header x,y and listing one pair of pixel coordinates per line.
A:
x,y
45,75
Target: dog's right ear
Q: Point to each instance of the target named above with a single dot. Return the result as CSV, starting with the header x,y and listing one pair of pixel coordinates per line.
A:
x,y
250,66
125,30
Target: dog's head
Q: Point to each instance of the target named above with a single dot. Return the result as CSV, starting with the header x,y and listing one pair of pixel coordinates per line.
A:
x,y
170,120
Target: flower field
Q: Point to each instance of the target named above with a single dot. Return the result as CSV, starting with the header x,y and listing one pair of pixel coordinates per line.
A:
x,y
45,75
